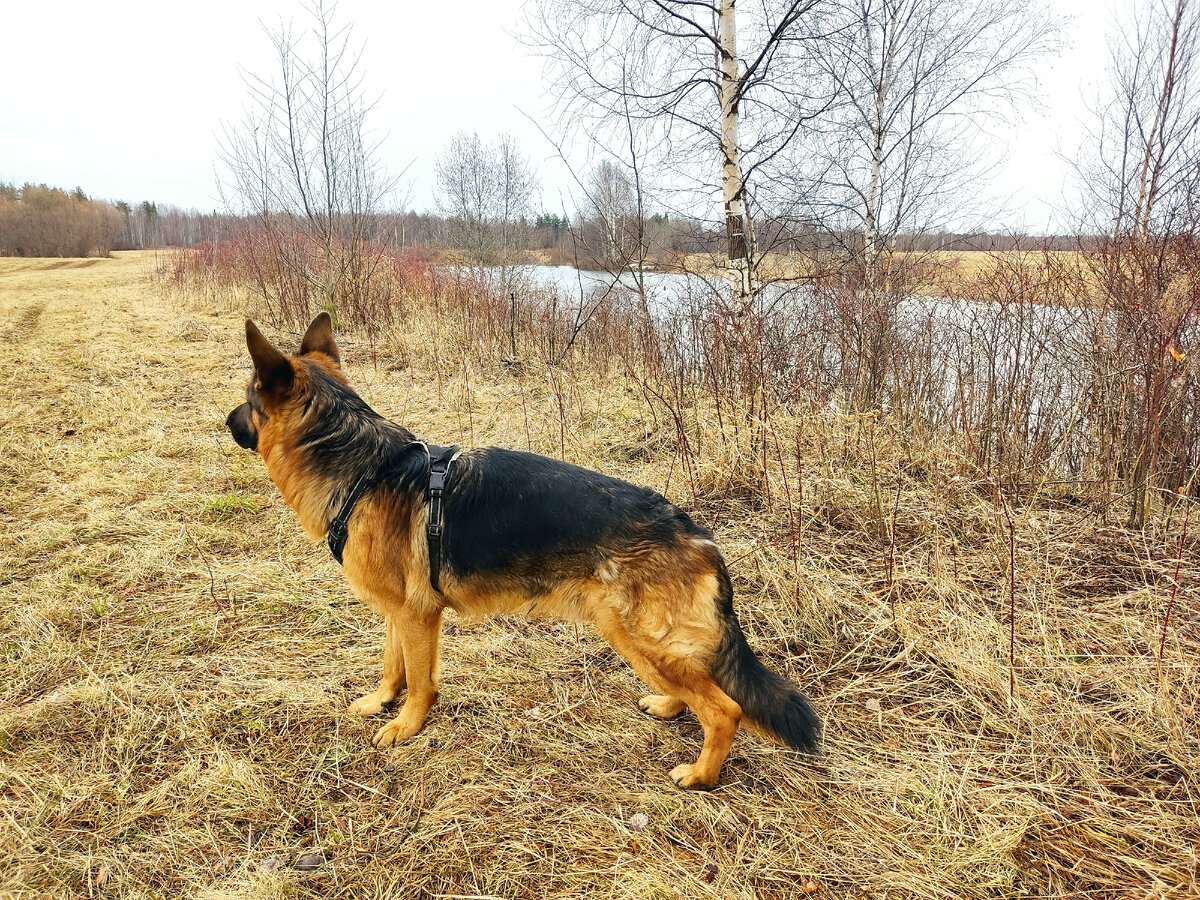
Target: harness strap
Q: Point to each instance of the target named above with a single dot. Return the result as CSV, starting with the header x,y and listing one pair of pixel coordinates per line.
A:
x,y
339,528
440,460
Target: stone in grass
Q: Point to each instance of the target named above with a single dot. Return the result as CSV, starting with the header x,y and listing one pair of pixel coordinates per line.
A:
x,y
307,862
639,822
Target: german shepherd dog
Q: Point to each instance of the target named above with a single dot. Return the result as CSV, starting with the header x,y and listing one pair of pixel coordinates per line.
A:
x,y
522,534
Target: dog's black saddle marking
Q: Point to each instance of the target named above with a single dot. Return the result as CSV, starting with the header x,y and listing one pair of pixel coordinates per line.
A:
x,y
440,460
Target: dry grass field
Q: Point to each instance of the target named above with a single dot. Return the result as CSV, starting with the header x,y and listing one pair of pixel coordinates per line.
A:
x,y
174,656
939,273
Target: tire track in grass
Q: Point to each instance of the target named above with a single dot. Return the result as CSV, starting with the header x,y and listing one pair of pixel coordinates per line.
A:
x,y
25,323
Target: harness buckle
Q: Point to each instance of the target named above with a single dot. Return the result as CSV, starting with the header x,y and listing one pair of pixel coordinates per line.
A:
x,y
339,531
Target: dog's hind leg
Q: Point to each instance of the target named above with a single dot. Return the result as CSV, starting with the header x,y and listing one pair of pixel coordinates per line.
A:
x,y
719,715
683,679
392,680
419,633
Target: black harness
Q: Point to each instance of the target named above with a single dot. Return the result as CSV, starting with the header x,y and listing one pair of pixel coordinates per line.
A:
x,y
440,460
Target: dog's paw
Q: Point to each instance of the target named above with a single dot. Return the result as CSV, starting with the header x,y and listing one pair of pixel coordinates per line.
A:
x,y
367,705
396,731
661,706
686,777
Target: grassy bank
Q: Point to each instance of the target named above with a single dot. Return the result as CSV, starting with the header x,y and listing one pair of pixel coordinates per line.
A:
x,y
176,653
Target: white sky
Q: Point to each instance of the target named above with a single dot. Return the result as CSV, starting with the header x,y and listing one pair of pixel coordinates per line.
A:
x,y
125,98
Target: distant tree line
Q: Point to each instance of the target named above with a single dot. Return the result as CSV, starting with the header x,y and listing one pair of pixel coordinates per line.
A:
x,y
37,220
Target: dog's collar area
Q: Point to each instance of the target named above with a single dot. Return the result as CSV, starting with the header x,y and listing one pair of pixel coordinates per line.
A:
x,y
439,460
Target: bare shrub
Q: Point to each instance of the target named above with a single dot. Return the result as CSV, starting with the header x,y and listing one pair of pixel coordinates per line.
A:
x,y
1142,175
302,169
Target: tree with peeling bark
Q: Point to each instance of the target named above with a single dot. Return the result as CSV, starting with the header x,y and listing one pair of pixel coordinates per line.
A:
x,y
723,90
733,184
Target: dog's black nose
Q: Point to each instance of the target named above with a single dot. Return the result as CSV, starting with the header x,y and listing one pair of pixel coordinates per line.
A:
x,y
241,426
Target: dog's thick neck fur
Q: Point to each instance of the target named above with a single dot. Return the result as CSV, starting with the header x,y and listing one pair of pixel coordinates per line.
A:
x,y
323,440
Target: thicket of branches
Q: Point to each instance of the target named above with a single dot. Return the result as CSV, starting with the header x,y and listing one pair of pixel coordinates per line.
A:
x,y
1141,177
302,167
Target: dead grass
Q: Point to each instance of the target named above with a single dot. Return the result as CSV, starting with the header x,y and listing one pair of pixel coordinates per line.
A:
x,y
940,273
175,655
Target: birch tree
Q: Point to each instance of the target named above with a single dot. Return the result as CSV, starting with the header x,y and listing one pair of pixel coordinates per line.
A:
x,y
917,83
1143,171
738,228
693,72
614,209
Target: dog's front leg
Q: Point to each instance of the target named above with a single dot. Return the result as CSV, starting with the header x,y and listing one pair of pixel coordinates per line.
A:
x,y
392,680
419,633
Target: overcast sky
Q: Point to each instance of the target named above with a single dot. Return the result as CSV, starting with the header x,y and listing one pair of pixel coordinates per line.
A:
x,y
126,99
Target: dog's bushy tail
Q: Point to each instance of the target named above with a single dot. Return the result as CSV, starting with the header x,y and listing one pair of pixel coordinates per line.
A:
x,y
767,699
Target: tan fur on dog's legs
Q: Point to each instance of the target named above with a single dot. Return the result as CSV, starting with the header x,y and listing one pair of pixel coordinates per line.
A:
x,y
391,682
720,716
419,637
661,706
682,680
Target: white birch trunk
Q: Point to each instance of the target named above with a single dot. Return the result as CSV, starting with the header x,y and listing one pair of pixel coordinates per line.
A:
x,y
870,222
881,83
736,215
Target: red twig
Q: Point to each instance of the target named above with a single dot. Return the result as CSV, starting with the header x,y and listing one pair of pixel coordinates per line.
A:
x,y
1162,641
1012,594
892,548
793,530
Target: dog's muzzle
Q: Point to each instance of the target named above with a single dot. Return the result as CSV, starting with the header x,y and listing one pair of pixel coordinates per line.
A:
x,y
242,428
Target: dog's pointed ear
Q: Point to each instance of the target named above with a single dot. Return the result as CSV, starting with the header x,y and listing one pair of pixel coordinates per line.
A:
x,y
319,339
272,369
